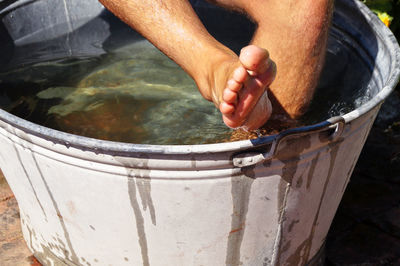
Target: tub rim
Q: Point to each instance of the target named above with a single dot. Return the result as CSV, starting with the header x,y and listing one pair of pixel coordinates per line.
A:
x,y
99,146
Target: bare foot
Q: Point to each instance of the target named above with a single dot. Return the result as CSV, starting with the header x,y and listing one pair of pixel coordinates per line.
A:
x,y
245,100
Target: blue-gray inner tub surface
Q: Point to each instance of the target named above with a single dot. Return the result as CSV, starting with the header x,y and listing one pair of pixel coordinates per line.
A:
x,y
76,29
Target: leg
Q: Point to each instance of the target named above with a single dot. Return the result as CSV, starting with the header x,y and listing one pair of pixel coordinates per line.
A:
x,y
295,34
234,84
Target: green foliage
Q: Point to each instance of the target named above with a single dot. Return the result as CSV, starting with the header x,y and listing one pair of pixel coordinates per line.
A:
x,y
387,9
380,5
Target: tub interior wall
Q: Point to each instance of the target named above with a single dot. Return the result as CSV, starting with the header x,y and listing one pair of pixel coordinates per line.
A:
x,y
76,28
28,29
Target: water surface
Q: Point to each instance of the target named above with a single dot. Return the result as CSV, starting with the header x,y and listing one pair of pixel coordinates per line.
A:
x,y
136,94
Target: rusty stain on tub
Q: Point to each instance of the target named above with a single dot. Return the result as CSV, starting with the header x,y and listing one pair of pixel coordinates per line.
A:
x,y
237,230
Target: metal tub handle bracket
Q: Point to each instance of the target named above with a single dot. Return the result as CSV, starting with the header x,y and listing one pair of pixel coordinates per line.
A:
x,y
249,158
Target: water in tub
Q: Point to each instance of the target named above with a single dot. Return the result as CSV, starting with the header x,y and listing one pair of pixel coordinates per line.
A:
x,y
133,94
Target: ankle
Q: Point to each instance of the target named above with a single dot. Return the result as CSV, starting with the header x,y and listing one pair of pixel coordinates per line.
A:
x,y
212,75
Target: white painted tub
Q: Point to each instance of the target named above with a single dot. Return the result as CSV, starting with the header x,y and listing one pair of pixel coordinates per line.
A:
x,y
268,201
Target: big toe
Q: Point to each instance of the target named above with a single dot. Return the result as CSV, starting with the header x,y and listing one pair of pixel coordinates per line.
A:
x,y
254,59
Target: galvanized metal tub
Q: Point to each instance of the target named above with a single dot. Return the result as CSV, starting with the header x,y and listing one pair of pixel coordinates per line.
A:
x,y
268,201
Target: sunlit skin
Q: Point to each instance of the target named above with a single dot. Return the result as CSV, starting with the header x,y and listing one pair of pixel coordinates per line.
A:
x,y
282,62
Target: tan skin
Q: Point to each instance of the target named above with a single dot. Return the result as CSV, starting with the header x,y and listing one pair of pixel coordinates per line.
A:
x,y
292,32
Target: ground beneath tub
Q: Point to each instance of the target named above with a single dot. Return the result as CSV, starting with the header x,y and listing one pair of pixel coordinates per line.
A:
x,y
13,250
366,228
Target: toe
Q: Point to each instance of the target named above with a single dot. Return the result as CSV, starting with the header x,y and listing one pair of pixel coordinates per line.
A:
x,y
262,112
254,58
229,96
248,98
226,108
232,123
267,77
234,85
240,74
